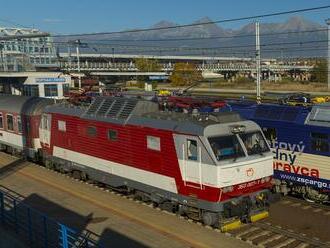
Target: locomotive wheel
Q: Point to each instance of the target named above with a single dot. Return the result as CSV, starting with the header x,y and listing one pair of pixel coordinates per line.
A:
x,y
49,164
76,175
210,219
167,206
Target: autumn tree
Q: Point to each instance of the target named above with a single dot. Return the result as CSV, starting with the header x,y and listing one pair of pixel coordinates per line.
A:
x,y
147,65
185,74
320,71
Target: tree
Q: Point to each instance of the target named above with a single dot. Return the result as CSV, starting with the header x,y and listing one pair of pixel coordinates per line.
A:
x,y
320,72
185,74
147,65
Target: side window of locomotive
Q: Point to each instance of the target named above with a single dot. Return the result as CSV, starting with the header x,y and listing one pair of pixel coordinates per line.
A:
x,y
153,143
91,131
61,126
10,123
319,142
192,149
45,122
270,134
19,124
112,135
1,120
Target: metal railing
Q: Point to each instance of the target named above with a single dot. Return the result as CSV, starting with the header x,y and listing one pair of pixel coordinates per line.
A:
x,y
108,66
37,229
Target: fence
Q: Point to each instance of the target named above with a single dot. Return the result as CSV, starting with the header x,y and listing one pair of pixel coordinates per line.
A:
x,y
37,229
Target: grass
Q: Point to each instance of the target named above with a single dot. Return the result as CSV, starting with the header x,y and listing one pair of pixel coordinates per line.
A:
x,y
266,85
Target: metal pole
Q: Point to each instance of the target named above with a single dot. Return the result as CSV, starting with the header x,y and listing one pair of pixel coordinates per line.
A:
x,y
2,59
328,23
258,69
113,55
78,63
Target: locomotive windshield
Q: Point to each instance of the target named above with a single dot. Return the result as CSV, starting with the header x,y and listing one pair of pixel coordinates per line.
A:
x,y
229,147
254,143
226,147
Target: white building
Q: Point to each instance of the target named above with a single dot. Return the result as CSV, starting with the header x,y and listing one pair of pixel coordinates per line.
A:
x,y
53,85
28,53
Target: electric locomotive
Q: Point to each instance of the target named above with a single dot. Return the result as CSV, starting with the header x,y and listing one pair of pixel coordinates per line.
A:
x,y
299,137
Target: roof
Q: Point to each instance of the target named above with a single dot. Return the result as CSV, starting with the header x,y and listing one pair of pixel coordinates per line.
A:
x,y
144,113
23,104
271,112
319,116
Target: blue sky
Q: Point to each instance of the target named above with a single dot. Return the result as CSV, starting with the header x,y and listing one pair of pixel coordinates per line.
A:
x,y
77,16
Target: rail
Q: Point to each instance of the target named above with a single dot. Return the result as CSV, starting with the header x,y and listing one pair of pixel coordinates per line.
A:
x,y
37,229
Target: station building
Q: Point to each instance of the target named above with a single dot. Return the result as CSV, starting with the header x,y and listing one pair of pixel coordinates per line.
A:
x,y
29,66
53,85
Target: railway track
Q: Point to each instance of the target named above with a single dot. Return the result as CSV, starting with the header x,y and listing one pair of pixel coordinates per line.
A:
x,y
264,234
259,234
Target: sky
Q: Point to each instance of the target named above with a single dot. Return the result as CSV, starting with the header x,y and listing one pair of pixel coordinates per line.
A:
x,y
84,16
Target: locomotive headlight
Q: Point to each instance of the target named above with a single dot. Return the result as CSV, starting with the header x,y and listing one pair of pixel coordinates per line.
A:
x,y
238,129
265,179
227,189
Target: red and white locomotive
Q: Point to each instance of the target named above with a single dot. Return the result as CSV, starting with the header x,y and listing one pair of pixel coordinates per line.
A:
x,y
210,167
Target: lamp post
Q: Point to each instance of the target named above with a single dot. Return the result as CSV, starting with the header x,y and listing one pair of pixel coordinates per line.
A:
x,y
328,71
258,66
77,42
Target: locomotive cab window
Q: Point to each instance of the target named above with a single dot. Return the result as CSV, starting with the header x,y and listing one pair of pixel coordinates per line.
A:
x,y
153,143
1,120
45,122
270,134
10,123
192,149
112,135
254,143
19,124
319,142
91,131
226,147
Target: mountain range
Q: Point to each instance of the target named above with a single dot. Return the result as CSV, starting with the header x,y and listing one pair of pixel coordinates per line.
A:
x,y
295,37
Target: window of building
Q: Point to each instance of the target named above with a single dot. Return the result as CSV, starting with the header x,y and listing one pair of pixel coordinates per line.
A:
x,y
31,90
1,120
51,90
91,131
319,142
19,124
10,123
192,149
61,126
112,135
153,143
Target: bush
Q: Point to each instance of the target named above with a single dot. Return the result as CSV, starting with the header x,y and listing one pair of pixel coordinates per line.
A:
x,y
243,80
